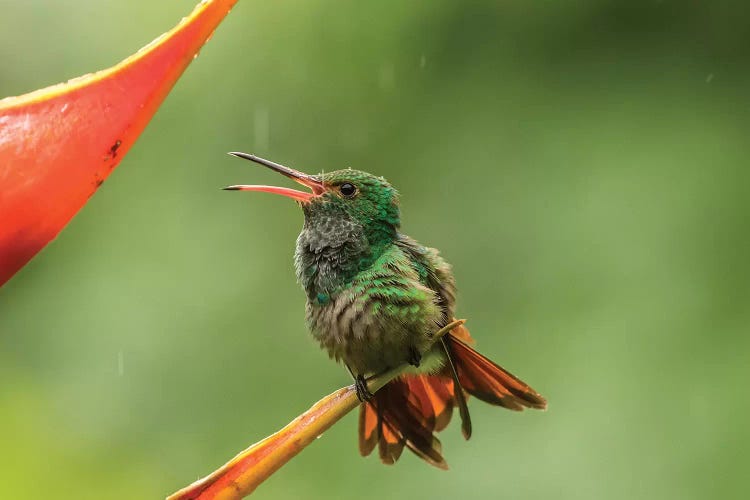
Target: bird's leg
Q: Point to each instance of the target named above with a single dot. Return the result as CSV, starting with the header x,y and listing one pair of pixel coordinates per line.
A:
x,y
363,393
415,357
360,385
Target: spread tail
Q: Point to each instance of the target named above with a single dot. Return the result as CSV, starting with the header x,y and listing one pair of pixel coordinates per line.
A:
x,y
408,411
489,382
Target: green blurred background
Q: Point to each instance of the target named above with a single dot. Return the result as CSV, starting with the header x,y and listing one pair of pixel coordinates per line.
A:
x,y
583,165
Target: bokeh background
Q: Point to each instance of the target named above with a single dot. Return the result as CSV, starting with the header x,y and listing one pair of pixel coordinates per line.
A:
x,y
583,165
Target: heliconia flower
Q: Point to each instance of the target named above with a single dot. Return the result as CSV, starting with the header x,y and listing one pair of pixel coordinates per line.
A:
x,y
58,144
240,476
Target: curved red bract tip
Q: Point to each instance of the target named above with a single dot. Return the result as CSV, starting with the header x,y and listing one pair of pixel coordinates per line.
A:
x,y
58,144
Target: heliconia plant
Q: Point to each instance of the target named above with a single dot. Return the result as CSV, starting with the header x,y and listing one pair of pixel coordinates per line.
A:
x,y
58,144
241,475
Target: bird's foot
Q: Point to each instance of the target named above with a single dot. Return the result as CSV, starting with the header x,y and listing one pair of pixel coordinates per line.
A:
x,y
415,357
363,393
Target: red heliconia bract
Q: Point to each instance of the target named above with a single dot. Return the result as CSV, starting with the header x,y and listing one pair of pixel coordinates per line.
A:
x,y
58,144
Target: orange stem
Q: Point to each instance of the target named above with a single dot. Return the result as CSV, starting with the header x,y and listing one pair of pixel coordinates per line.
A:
x,y
240,476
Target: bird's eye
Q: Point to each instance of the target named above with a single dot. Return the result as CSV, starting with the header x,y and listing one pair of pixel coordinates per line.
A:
x,y
348,189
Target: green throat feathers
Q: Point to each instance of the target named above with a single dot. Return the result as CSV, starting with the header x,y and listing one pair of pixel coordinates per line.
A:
x,y
346,230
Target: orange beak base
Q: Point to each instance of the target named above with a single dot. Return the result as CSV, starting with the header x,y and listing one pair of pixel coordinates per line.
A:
x,y
310,181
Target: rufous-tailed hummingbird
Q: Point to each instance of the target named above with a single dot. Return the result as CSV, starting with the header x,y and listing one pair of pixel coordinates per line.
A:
x,y
375,301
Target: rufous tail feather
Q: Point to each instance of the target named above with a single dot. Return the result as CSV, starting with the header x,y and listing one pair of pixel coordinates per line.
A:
x,y
408,411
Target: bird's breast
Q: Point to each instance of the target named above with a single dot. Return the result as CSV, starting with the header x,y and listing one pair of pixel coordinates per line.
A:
x,y
354,329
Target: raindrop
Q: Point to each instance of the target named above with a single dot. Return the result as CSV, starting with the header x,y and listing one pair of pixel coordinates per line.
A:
x,y
120,363
709,78
422,61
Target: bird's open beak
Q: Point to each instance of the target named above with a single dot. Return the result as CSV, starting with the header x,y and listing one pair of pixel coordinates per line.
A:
x,y
310,181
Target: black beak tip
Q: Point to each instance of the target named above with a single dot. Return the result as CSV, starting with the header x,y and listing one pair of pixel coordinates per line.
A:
x,y
239,154
230,188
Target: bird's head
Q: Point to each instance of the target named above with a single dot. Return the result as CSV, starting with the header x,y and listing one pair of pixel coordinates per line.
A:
x,y
347,195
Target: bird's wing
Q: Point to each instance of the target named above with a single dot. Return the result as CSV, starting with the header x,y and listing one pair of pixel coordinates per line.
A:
x,y
434,272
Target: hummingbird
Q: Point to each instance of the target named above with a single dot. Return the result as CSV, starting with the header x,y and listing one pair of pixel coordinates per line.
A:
x,y
376,300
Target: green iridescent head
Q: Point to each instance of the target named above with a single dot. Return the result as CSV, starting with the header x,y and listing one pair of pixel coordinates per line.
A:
x,y
352,195
357,195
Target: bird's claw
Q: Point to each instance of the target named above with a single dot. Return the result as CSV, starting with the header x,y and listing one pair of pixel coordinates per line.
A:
x,y
363,392
415,358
